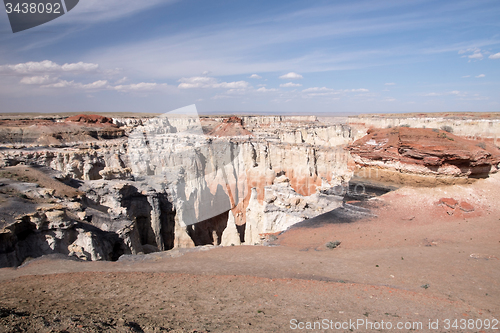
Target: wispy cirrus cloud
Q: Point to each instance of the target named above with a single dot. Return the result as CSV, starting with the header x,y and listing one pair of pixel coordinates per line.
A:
x,y
48,67
89,11
210,82
324,91
459,95
77,85
237,47
495,56
446,93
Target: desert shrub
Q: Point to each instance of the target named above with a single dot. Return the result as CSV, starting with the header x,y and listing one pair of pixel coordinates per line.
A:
x,y
447,128
444,136
332,245
481,145
404,125
435,130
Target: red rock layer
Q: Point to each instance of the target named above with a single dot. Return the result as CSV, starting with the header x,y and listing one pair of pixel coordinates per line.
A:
x,y
422,146
233,126
90,119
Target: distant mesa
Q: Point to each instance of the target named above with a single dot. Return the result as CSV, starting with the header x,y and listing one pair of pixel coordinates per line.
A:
x,y
234,119
232,126
90,119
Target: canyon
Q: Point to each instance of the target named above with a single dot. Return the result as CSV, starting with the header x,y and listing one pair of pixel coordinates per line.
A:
x,y
100,187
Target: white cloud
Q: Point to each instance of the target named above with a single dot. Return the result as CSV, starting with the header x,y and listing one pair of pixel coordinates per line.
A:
x,y
465,76
325,90
316,89
48,66
255,76
320,91
210,82
136,87
233,85
447,93
48,76
319,94
60,84
390,99
94,85
72,84
390,84
495,56
291,76
37,79
476,56
104,84
290,84
480,76
264,89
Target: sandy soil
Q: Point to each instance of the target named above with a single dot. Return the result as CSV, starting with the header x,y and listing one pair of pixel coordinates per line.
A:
x,y
417,261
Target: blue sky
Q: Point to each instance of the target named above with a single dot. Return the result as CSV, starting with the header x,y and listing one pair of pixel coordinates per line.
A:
x,y
310,57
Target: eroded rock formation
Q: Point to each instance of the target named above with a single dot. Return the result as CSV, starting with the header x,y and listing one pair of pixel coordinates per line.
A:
x,y
95,187
425,152
151,184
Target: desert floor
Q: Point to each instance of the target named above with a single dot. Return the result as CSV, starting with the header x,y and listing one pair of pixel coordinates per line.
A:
x,y
417,261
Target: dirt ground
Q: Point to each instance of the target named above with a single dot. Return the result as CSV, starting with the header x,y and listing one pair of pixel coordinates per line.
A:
x,y
421,259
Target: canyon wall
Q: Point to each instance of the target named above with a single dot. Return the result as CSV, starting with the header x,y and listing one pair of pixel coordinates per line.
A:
x,y
96,188
173,181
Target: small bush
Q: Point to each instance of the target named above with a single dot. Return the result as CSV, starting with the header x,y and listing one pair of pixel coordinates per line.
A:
x,y
404,125
444,136
333,245
447,128
481,145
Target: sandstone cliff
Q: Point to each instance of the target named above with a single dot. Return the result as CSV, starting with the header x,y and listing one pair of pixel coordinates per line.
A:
x,y
159,183
425,152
